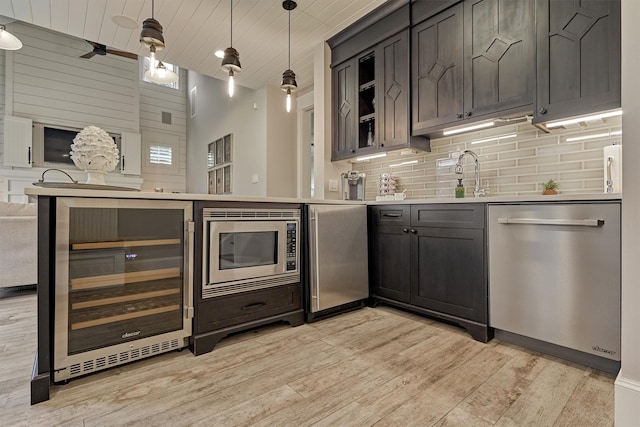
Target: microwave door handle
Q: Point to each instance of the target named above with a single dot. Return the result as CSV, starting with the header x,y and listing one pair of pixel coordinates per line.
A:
x,y
315,274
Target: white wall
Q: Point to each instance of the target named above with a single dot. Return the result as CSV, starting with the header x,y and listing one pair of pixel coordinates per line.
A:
x,y
282,150
217,115
627,390
264,137
325,170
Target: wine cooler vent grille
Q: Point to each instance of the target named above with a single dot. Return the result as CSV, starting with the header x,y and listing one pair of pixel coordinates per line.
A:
x,y
87,366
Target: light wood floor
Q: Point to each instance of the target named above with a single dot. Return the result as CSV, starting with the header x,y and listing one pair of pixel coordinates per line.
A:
x,y
379,367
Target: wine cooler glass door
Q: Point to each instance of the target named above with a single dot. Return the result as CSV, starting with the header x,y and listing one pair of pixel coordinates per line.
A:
x,y
122,278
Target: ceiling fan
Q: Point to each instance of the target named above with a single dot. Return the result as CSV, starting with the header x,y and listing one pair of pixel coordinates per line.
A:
x,y
100,49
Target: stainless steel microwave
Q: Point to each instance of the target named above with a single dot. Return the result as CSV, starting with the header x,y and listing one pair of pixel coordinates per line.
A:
x,y
248,249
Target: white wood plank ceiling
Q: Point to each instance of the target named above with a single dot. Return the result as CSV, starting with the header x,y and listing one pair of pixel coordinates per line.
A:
x,y
195,29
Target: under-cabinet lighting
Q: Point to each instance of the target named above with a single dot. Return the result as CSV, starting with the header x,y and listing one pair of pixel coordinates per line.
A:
x,y
408,162
372,156
448,132
593,117
585,137
495,138
615,133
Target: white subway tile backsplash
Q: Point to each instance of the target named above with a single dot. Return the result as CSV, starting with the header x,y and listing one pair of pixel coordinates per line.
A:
x,y
515,166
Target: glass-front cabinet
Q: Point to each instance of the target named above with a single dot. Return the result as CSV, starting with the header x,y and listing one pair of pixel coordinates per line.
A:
x,y
123,285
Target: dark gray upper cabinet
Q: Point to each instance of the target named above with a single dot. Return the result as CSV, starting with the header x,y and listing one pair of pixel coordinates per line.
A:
x,y
392,90
437,69
472,60
499,55
344,109
371,85
578,57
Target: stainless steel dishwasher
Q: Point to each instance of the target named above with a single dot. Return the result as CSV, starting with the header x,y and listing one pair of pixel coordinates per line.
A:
x,y
554,274
338,266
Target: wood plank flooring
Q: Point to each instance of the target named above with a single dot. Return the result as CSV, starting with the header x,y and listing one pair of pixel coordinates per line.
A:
x,y
379,367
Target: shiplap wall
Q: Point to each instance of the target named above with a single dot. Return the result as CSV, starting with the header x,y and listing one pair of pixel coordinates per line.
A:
x,y
47,82
154,100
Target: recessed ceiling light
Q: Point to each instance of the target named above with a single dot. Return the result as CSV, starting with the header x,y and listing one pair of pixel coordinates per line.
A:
x,y
219,53
125,21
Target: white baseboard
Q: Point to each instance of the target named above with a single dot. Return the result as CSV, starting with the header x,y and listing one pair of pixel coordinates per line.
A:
x,y
627,402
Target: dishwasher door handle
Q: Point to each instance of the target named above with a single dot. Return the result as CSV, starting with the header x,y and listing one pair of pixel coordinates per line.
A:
x,y
536,221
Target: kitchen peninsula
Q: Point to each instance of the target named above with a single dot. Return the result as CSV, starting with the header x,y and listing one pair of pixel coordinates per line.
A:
x,y
114,242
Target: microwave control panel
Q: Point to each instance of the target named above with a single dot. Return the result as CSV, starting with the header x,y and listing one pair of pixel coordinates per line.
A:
x,y
292,245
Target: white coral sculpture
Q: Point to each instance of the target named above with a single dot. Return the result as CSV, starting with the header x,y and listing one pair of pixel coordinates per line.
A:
x,y
93,149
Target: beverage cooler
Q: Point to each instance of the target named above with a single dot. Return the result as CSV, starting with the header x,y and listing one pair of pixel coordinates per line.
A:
x,y
123,282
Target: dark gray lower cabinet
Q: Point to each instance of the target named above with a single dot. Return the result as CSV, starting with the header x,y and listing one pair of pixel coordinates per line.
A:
x,y
431,259
390,249
449,272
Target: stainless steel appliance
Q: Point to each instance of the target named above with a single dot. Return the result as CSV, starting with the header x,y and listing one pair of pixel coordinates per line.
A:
x,y
123,282
338,257
353,185
554,274
249,249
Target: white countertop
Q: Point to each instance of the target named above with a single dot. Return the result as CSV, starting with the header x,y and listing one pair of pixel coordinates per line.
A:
x,y
66,192
507,199
108,194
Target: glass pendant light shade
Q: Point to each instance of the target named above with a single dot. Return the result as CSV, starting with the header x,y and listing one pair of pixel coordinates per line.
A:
x,y
289,83
231,60
151,34
8,41
161,75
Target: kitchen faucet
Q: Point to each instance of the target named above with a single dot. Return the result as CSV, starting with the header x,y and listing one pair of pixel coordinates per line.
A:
x,y
477,192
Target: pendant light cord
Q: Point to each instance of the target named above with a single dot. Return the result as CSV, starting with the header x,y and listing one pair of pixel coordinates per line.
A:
x,y
289,38
231,41
152,9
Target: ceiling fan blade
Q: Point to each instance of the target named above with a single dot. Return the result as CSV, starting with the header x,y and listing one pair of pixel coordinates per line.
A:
x,y
88,55
122,53
94,44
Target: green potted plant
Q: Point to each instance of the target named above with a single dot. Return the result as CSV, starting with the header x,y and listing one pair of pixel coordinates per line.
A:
x,y
550,187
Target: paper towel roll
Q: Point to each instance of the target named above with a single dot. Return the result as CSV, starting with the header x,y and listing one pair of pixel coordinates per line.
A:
x,y
613,154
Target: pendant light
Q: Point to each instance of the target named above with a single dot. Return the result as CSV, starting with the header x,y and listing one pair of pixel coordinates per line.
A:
x,y
231,59
151,37
289,84
151,34
8,41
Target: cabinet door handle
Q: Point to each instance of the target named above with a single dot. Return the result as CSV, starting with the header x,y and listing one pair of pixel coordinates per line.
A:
x,y
29,156
468,114
405,230
123,163
458,115
391,215
414,231
254,305
542,110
